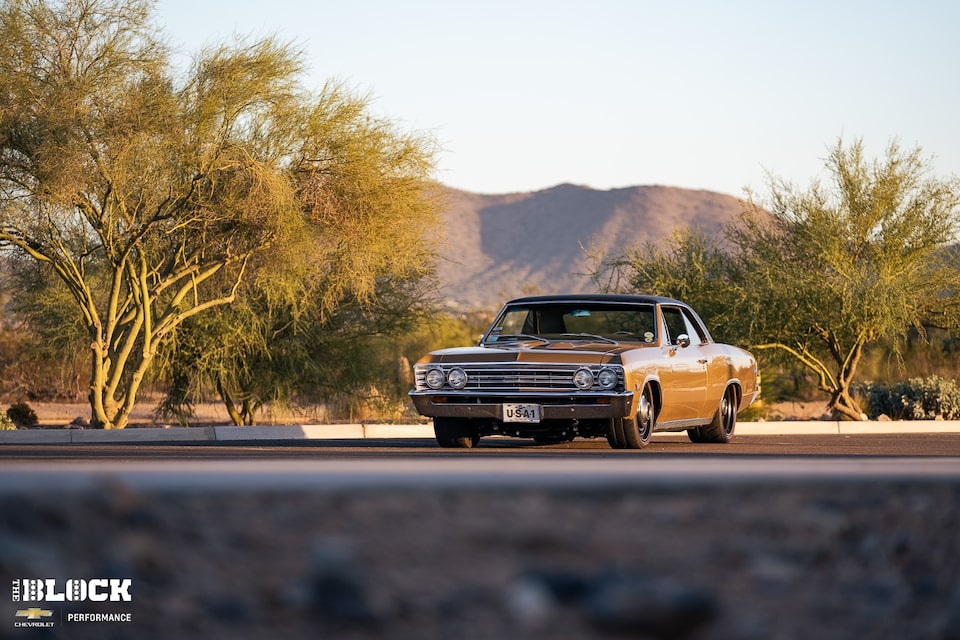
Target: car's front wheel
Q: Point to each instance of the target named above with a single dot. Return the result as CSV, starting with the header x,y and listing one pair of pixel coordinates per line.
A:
x,y
455,433
635,432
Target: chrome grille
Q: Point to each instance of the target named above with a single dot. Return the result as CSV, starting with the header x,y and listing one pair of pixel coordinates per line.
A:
x,y
518,377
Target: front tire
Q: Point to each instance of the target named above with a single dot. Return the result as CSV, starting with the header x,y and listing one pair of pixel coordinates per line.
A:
x,y
635,432
455,433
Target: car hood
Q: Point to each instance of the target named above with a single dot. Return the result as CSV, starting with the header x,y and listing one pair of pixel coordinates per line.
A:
x,y
531,351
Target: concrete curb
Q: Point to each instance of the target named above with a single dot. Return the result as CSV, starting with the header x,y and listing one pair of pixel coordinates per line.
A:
x,y
844,428
293,433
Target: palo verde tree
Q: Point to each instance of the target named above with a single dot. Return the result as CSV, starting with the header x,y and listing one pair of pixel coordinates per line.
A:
x,y
841,266
306,323
820,273
150,196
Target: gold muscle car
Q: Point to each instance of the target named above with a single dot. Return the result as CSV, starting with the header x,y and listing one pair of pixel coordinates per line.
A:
x,y
554,368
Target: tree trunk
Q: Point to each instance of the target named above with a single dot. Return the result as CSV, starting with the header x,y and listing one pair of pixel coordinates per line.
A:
x,y
228,402
249,411
842,405
841,402
106,412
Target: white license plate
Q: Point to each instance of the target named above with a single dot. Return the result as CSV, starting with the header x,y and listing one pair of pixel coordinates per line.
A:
x,y
521,412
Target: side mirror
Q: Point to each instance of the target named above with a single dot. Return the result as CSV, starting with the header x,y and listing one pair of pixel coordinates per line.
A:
x,y
480,339
683,340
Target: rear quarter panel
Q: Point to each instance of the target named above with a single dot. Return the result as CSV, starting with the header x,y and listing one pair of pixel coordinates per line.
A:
x,y
730,365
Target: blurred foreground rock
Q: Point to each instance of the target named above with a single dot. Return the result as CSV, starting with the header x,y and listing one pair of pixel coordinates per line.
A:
x,y
827,560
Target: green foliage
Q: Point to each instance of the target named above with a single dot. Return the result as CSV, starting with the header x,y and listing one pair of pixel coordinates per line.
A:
x,y
819,274
929,351
690,267
22,414
441,329
6,424
48,350
916,399
253,354
155,199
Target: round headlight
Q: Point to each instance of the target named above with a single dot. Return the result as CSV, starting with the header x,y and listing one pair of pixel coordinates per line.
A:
x,y
607,378
583,378
434,378
457,378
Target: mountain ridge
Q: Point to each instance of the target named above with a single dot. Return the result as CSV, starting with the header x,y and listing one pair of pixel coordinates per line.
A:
x,y
498,246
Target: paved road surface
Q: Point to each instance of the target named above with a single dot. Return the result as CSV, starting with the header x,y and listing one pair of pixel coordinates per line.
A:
x,y
497,463
893,444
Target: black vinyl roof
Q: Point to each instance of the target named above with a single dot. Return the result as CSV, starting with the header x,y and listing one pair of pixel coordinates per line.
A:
x,y
595,297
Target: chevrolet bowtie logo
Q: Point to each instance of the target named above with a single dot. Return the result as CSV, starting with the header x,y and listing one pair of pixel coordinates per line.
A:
x,y
34,613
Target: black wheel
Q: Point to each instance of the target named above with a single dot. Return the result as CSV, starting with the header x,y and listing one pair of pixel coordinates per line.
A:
x,y
694,435
615,434
635,432
721,429
455,433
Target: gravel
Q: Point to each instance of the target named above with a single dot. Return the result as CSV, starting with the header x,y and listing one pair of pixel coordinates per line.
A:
x,y
864,559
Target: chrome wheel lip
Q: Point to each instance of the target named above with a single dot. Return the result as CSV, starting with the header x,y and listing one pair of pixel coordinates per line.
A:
x,y
645,415
727,414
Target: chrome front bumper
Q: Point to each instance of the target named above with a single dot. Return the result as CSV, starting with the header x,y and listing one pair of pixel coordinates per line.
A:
x,y
582,406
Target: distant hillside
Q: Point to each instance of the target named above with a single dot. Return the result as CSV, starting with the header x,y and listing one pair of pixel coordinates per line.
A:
x,y
499,246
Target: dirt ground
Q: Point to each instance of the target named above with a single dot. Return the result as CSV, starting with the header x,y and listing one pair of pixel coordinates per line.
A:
x,y
60,414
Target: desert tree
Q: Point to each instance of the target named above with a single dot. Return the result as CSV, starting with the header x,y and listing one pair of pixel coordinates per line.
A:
x,y
151,195
862,260
357,269
819,273
690,266
256,353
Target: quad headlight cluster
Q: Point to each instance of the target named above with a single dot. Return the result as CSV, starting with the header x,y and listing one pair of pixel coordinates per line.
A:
x,y
585,379
435,378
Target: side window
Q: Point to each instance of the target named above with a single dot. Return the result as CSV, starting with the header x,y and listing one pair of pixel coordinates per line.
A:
x,y
693,329
676,324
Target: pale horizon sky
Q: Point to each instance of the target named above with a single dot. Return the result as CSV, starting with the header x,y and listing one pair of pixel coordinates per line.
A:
x,y
525,95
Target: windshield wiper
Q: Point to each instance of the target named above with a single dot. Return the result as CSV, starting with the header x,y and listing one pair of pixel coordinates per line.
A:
x,y
591,336
521,336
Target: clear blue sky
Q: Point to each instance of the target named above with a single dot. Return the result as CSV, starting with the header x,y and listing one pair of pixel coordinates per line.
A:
x,y
524,95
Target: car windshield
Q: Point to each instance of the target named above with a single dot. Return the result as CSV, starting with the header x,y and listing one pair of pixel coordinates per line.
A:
x,y
573,321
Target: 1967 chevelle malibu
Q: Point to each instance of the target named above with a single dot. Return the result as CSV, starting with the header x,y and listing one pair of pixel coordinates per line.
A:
x,y
553,368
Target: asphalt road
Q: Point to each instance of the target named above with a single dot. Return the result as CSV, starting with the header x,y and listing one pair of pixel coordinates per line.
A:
x,y
897,444
497,462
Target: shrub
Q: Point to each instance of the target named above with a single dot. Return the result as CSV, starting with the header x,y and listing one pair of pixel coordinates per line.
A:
x,y
915,399
6,424
22,415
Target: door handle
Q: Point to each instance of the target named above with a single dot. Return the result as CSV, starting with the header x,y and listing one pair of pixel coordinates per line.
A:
x,y
702,361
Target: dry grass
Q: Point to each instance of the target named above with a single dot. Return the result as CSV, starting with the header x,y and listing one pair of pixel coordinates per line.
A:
x,y
54,414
